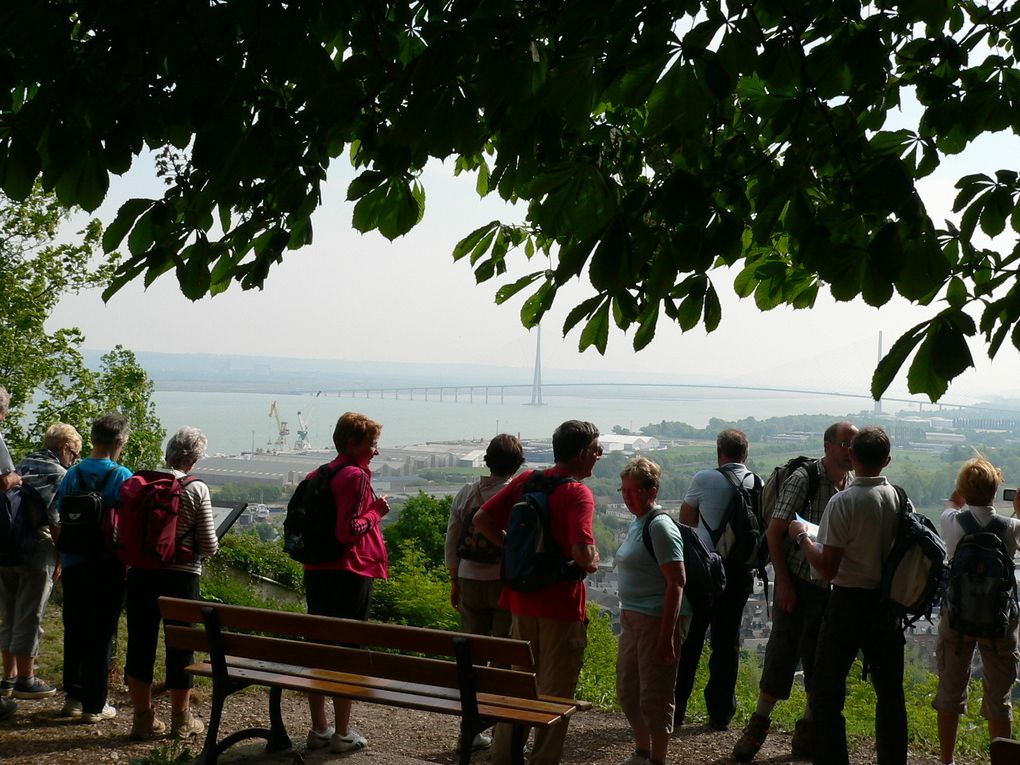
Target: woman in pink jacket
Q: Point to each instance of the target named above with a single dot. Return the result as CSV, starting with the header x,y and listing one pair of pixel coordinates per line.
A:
x,y
343,587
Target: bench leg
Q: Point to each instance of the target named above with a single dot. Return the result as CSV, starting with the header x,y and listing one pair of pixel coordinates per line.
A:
x,y
277,740
210,753
517,741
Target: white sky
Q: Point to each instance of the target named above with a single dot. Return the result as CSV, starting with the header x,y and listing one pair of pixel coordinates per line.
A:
x,y
360,297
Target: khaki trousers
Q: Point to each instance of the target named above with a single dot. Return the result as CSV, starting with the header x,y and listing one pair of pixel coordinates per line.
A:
x,y
558,648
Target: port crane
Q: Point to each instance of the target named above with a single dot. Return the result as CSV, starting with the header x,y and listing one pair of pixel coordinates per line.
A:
x,y
302,434
281,428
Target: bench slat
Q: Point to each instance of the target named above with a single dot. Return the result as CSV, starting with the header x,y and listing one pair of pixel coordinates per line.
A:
x,y
358,661
557,706
379,696
328,629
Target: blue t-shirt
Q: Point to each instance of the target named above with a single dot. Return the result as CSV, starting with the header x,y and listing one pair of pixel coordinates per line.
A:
x,y
710,493
89,474
642,584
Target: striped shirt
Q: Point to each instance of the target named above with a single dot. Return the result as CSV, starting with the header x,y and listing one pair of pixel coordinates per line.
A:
x,y
791,501
195,527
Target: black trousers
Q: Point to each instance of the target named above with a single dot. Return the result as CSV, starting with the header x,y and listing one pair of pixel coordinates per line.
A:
x,y
723,619
855,621
143,618
93,596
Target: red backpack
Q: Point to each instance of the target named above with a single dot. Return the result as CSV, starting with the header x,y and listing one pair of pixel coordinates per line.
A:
x,y
146,520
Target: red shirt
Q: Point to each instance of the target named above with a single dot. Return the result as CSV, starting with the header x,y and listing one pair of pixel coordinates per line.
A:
x,y
571,510
357,522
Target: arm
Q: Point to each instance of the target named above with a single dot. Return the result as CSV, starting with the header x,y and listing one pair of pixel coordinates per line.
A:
x,y
786,597
453,531
824,559
488,528
207,544
356,513
9,480
689,515
676,579
585,556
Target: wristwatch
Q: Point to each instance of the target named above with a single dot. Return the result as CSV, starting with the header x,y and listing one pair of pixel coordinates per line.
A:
x,y
801,537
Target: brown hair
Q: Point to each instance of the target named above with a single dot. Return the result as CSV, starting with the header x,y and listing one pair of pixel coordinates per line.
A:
x,y
644,471
353,428
978,481
504,455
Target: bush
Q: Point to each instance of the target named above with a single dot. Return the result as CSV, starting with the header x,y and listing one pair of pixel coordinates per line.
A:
x,y
597,681
414,594
248,552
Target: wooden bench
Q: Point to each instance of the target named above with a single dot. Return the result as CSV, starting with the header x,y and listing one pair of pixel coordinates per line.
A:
x,y
1004,751
459,674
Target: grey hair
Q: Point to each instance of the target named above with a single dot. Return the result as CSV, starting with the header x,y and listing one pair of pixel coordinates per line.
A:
x,y
5,400
185,447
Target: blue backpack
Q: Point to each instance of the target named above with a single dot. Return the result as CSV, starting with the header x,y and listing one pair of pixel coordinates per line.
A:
x,y
532,559
22,514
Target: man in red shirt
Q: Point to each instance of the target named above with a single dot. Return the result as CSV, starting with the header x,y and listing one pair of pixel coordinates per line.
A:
x,y
553,619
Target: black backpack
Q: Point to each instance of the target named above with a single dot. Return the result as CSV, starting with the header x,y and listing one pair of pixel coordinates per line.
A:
x,y
22,514
774,487
706,573
914,572
532,559
473,545
740,537
981,596
309,530
86,523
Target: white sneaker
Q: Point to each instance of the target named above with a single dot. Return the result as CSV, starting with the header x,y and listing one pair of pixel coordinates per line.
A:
x,y
482,741
90,718
635,759
318,740
71,708
349,743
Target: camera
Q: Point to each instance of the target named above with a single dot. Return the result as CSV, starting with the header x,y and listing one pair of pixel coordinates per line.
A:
x,y
1008,495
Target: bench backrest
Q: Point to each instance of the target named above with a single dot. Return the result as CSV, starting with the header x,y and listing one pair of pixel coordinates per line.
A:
x,y
320,639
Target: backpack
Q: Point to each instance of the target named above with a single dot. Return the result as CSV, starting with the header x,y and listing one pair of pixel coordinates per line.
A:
x,y
914,572
706,573
309,530
774,484
86,524
146,520
532,559
22,514
981,595
740,537
473,545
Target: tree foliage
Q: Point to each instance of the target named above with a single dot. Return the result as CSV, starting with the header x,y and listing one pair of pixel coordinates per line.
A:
x,y
660,146
421,522
43,370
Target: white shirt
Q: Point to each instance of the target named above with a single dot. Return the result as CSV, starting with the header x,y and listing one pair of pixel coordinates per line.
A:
x,y
710,493
952,531
862,519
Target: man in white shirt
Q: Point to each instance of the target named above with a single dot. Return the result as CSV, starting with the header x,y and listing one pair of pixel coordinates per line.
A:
x,y
854,538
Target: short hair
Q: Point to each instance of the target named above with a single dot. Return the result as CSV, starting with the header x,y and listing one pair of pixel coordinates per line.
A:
x,y
354,428
186,447
833,430
571,438
871,447
504,455
5,400
978,480
732,443
644,471
60,433
111,429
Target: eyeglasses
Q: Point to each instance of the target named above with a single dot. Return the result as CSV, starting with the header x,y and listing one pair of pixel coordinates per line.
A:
x,y
841,444
596,449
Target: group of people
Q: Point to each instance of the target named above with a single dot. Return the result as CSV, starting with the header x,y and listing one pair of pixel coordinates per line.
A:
x,y
828,604
97,587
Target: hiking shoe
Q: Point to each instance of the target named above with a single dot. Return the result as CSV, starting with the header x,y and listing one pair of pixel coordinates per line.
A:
x,y
635,759
752,738
349,743
7,687
185,725
719,725
146,725
71,708
32,688
7,707
318,740
800,744
91,718
482,741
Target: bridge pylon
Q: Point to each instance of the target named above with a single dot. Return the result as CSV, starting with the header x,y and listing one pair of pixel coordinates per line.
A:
x,y
536,384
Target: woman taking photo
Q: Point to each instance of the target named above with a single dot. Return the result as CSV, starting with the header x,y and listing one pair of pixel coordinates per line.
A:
x,y
654,615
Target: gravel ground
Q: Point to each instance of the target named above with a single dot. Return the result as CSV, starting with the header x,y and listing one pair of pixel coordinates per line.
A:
x,y
38,735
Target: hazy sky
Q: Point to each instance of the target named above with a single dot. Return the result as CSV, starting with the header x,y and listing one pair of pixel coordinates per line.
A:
x,y
360,297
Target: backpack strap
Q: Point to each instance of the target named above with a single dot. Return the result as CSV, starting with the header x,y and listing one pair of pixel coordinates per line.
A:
x,y
737,483
814,478
646,534
106,479
968,522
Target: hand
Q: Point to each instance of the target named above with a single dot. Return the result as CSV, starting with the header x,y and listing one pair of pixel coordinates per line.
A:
x,y
455,594
665,649
594,564
57,571
381,505
795,529
786,596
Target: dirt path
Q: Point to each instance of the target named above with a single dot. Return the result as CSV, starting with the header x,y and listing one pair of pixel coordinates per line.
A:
x,y
38,736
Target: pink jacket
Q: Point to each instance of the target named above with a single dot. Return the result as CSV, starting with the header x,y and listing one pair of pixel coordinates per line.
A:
x,y
357,523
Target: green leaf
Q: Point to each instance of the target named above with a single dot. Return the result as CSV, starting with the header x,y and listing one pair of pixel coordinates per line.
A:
x,y
537,304
18,170
747,280
998,206
141,237
690,312
193,272
364,183
956,294
713,310
596,331
646,329
126,215
507,291
583,310
889,366
469,242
